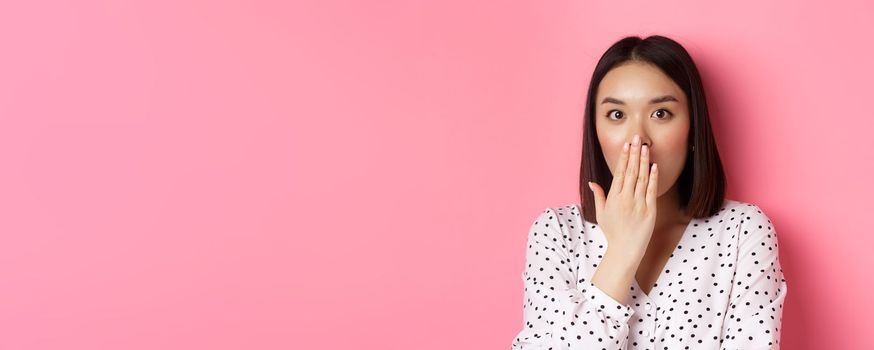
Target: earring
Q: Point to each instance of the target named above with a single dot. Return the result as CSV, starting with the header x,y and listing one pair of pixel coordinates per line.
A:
x,y
693,148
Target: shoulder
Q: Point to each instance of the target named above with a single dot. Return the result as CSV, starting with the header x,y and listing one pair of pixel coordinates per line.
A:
x,y
558,222
744,211
755,224
556,217
732,207
751,214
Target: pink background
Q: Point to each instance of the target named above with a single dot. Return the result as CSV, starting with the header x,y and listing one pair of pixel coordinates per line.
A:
x,y
340,174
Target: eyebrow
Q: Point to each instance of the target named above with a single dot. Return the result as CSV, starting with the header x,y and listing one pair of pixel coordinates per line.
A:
x,y
660,99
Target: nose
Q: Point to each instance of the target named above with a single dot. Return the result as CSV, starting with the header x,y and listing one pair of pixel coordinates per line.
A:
x,y
644,140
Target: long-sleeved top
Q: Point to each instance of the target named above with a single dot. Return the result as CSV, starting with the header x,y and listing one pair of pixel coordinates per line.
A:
x,y
721,288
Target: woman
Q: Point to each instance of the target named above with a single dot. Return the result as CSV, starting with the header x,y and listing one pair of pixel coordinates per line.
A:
x,y
657,258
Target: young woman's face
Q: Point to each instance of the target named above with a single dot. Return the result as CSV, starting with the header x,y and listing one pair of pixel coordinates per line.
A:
x,y
624,108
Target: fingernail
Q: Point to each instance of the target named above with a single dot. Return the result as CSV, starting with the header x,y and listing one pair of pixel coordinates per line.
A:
x,y
625,147
636,140
644,150
655,168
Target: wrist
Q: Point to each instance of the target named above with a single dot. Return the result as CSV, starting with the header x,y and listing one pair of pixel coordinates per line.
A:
x,y
625,256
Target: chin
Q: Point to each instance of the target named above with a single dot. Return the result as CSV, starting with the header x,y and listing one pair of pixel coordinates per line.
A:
x,y
662,192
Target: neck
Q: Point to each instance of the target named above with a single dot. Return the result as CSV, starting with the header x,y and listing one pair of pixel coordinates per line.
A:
x,y
668,212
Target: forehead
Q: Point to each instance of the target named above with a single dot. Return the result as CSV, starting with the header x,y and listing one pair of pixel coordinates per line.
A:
x,y
637,83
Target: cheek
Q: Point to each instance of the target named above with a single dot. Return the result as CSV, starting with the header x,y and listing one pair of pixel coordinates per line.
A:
x,y
610,157
673,141
672,153
612,150
610,141
675,147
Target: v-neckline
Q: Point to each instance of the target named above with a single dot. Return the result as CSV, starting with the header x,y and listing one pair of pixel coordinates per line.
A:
x,y
671,257
657,285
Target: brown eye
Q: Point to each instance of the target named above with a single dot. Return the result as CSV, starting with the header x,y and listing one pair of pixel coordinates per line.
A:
x,y
663,115
610,113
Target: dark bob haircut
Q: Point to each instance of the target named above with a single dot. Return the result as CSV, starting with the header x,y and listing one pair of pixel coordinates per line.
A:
x,y
701,185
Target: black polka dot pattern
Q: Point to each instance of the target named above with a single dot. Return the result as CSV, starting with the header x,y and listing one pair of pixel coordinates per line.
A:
x,y
721,288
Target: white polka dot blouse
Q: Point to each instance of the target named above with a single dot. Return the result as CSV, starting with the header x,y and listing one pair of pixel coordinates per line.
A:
x,y
721,288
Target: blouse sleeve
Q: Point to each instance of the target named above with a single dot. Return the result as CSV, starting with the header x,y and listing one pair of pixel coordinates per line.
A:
x,y
558,312
755,306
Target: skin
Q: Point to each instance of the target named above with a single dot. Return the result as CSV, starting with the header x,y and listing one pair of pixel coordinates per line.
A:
x,y
644,216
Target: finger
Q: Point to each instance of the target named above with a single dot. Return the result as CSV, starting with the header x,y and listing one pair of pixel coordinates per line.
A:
x,y
619,174
643,174
633,165
652,189
598,193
